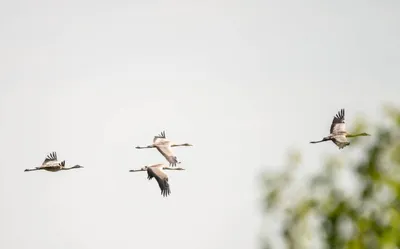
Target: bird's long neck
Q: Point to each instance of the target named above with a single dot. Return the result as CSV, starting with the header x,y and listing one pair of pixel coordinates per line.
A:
x,y
355,135
172,168
68,168
176,145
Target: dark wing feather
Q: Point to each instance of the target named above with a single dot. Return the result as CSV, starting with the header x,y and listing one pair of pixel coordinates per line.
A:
x,y
54,164
50,157
163,146
173,160
161,178
338,119
161,135
150,174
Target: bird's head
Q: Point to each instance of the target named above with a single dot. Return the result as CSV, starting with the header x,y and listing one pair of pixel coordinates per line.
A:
x,y
365,134
77,166
187,144
180,168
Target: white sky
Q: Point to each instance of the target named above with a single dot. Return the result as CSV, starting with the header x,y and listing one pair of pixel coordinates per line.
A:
x,y
241,80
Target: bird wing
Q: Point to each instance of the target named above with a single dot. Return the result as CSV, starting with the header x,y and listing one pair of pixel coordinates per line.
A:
x,y
159,137
338,125
161,178
52,157
164,147
53,164
150,173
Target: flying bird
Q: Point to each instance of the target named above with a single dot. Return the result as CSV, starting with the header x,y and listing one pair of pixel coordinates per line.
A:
x,y
164,145
52,164
157,171
338,134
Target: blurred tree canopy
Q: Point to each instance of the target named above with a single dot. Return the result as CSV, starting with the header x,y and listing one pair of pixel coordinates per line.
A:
x,y
324,214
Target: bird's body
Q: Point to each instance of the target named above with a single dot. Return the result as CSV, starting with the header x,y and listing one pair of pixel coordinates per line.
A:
x,y
164,146
52,164
157,171
338,134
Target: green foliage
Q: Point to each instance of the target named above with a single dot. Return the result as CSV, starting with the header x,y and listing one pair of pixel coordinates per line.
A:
x,y
366,218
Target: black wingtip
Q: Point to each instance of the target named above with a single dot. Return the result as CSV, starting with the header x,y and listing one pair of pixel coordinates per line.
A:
x,y
161,135
165,192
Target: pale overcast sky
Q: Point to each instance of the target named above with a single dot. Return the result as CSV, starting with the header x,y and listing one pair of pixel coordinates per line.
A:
x,y
241,80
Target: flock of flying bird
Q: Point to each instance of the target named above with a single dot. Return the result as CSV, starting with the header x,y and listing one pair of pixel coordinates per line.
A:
x,y
338,135
160,142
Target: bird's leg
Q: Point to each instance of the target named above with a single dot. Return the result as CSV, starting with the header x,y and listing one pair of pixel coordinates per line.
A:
x,y
145,147
323,140
314,142
27,170
137,170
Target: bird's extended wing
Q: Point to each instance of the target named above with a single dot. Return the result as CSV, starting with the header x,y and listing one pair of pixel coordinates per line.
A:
x,y
53,164
50,158
161,178
160,137
338,125
165,150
